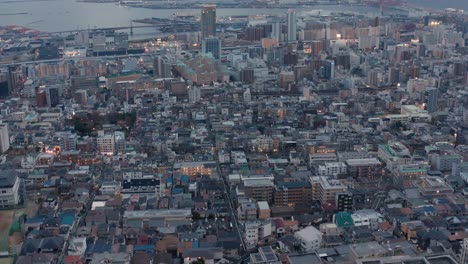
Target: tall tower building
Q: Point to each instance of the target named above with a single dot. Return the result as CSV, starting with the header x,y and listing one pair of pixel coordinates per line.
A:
x,y
276,30
292,25
208,21
53,96
4,138
431,98
329,69
212,45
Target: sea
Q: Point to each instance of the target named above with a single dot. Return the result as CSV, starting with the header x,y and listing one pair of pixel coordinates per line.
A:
x,y
63,15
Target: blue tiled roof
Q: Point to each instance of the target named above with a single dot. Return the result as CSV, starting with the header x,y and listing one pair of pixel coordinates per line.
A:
x,y
184,178
177,190
146,248
67,220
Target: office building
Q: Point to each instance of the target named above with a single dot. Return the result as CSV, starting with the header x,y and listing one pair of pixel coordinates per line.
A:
x,y
194,94
328,70
13,78
208,21
162,67
247,76
53,96
276,30
106,144
4,85
431,97
212,45
4,138
254,33
292,25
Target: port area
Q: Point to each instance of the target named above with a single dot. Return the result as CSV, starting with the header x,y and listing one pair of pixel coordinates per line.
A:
x,y
170,25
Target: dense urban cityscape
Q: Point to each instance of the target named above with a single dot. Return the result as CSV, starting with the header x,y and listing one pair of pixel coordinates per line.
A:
x,y
289,132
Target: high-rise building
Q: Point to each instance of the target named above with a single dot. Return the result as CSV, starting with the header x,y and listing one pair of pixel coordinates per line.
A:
x,y
12,78
41,97
53,96
292,25
431,97
254,33
212,45
329,69
276,30
162,67
208,21
4,138
247,76
4,85
194,94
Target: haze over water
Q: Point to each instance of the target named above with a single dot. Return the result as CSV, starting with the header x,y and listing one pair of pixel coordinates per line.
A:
x,y
61,15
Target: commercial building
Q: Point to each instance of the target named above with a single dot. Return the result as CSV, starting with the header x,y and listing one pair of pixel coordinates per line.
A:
x,y
4,137
208,21
212,45
431,98
292,25
106,144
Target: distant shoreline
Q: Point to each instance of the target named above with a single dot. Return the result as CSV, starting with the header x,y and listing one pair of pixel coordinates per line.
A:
x,y
13,14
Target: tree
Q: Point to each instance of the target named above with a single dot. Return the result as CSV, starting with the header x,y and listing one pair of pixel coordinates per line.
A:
x,y
196,216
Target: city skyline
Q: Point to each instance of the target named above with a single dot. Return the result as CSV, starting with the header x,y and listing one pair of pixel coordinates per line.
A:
x,y
252,132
